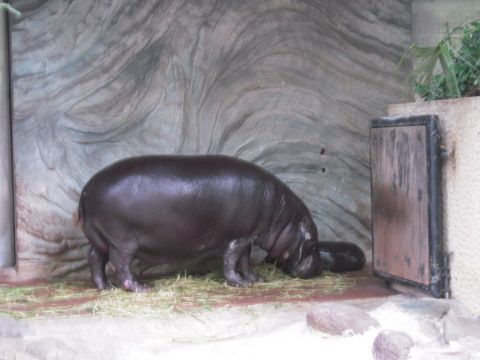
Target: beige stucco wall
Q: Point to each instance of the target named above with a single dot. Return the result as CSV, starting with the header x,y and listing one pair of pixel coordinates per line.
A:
x,y
460,133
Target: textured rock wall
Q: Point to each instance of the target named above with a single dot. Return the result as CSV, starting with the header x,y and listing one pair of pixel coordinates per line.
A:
x,y
6,184
287,84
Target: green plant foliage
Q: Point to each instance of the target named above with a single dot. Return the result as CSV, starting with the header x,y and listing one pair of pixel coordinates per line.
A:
x,y
10,8
451,69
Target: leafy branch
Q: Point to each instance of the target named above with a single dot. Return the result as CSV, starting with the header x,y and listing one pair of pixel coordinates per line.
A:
x,y
450,69
10,8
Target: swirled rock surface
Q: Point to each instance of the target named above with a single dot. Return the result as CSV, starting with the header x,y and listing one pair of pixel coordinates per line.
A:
x,y
287,84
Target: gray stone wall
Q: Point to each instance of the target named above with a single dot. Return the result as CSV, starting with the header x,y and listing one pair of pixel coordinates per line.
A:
x,y
287,84
7,252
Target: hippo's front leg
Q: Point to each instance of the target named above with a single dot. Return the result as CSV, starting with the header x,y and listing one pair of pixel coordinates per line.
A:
x,y
246,268
236,257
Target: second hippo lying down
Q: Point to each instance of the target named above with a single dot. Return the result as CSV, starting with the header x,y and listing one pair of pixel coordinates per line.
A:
x,y
168,209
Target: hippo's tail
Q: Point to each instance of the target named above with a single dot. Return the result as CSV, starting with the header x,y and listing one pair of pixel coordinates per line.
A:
x,y
81,206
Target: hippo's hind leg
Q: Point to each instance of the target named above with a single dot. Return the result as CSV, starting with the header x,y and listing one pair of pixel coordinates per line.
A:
x,y
236,264
120,260
97,261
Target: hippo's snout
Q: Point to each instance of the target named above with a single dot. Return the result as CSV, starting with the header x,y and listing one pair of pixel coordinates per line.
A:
x,y
307,267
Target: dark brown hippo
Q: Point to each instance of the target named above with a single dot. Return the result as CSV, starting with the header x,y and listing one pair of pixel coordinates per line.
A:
x,y
168,209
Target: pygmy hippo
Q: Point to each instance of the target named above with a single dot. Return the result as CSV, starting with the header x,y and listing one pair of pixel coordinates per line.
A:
x,y
168,209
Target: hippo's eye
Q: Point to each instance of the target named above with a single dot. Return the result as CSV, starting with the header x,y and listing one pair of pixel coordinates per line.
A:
x,y
305,229
310,246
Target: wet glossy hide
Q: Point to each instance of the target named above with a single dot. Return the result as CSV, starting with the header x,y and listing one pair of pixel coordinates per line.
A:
x,y
169,209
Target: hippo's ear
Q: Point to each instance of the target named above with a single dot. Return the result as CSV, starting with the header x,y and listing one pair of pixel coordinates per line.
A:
x,y
305,228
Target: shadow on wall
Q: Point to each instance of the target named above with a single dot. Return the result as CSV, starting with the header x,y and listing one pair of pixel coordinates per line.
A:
x,y
289,85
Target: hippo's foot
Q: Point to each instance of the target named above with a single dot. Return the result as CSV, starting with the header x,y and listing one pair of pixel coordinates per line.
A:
x,y
134,286
241,283
104,286
235,279
244,281
247,272
255,277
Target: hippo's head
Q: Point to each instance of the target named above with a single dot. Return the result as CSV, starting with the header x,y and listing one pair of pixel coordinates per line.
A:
x,y
302,258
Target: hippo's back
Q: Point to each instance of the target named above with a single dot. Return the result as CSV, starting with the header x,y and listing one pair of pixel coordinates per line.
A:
x,y
180,199
140,178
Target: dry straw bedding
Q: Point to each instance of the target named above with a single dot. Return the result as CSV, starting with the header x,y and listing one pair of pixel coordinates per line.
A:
x,y
170,294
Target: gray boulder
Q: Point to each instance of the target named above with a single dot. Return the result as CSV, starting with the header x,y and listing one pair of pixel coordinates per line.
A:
x,y
49,349
392,345
457,327
339,319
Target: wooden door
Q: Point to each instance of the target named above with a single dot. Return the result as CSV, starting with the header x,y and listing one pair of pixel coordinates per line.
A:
x,y
406,209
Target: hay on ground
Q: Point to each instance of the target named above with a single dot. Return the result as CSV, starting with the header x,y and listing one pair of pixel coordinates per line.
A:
x,y
176,293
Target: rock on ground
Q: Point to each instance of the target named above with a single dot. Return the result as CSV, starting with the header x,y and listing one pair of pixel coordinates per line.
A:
x,y
49,349
339,319
392,345
457,327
